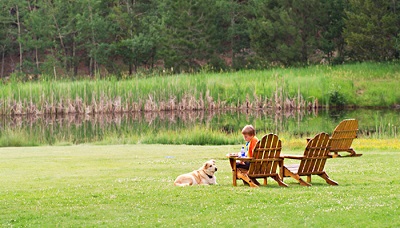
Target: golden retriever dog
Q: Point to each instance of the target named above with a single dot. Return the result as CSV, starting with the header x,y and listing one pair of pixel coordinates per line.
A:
x,y
203,176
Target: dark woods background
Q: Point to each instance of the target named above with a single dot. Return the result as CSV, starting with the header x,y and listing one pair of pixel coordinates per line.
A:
x,y
66,38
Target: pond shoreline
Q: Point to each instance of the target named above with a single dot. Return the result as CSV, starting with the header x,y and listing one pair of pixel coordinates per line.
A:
x,y
216,127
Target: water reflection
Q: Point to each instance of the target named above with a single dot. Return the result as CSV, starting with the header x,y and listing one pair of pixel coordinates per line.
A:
x,y
91,128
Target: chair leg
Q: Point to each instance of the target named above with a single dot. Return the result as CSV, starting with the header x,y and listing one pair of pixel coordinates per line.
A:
x,y
245,178
309,179
255,181
280,182
234,171
234,178
333,155
353,153
327,179
301,181
337,155
287,173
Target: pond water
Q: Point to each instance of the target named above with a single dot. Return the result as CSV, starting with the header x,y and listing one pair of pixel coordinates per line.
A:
x,y
83,129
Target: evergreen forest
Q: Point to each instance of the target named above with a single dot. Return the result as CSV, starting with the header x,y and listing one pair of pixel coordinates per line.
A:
x,y
68,38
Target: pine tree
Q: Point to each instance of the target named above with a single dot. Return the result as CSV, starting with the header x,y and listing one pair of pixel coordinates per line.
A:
x,y
189,31
372,29
138,33
272,33
7,30
332,42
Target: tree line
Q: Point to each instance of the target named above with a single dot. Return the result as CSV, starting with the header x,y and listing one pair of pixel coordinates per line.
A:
x,y
72,37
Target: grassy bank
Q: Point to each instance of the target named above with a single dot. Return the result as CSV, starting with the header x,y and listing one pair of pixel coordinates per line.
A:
x,y
365,84
131,186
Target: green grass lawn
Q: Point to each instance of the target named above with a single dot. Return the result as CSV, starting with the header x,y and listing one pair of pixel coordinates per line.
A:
x,y
132,186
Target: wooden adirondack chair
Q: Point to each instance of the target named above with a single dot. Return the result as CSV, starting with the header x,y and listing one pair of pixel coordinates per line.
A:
x,y
342,138
312,162
264,163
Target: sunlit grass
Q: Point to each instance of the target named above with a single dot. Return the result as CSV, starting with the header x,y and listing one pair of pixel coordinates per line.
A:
x,y
132,186
376,144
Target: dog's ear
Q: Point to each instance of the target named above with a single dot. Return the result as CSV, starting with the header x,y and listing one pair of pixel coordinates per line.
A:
x,y
208,164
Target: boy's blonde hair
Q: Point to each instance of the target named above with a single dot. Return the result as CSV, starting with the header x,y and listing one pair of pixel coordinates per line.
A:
x,y
249,130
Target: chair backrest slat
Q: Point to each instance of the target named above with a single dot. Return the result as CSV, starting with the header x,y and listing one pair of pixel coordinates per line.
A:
x,y
344,134
315,154
266,156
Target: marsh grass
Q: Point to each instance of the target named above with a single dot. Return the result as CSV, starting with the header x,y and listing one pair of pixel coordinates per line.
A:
x,y
132,186
193,136
364,85
17,138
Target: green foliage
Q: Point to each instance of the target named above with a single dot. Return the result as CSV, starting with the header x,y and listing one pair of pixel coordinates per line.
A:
x,y
371,29
337,99
290,32
191,34
99,38
332,39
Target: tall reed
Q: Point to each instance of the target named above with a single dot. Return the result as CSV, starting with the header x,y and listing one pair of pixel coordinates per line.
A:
x,y
366,84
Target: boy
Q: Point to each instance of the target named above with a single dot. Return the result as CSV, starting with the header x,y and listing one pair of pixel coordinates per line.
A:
x,y
249,135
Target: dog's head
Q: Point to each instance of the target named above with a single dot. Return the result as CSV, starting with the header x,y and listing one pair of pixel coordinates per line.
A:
x,y
210,168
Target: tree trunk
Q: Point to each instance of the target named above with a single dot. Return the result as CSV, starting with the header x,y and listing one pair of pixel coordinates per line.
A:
x,y
2,61
37,58
91,67
60,37
130,68
93,60
135,67
19,38
74,62
129,10
61,42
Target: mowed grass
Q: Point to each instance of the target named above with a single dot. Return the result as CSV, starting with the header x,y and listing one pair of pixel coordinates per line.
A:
x,y
132,186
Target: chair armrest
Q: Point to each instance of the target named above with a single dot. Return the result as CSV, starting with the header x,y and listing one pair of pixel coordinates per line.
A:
x,y
244,159
232,155
241,159
291,156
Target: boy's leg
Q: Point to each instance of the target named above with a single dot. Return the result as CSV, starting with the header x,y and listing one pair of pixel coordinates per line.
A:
x,y
240,165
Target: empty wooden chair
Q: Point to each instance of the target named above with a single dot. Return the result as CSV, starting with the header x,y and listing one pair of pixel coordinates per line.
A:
x,y
342,138
264,163
312,162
